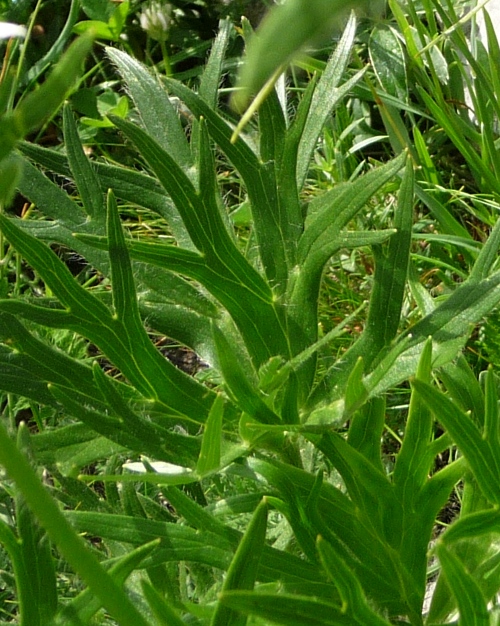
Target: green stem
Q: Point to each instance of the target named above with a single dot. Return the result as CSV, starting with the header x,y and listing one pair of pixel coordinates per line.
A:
x,y
166,59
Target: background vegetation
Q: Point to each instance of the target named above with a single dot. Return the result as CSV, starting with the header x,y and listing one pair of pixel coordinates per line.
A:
x,y
248,363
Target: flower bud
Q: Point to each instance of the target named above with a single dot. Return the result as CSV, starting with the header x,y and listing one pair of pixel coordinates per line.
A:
x,y
155,20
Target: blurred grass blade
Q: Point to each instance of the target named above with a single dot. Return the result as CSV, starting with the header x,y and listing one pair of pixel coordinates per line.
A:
x,y
37,107
242,572
11,171
305,20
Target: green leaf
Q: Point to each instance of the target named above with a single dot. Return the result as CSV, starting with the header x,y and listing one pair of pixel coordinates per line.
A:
x,y
57,49
38,595
305,20
211,77
97,9
336,518
272,129
391,271
210,453
326,96
323,237
255,317
491,430
463,387
247,395
156,111
72,447
289,610
85,178
242,572
471,602
153,376
67,540
34,364
366,428
449,325
40,104
49,197
388,62
10,174
356,393
199,517
203,223
126,183
413,463
316,245
369,489
82,608
487,257
473,525
163,612
181,543
167,446
354,602
271,225
482,454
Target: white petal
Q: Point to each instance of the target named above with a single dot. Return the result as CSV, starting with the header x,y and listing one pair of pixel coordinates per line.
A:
x,y
159,466
8,30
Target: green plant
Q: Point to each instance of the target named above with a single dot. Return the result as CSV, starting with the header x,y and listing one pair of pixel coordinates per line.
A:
x,y
354,539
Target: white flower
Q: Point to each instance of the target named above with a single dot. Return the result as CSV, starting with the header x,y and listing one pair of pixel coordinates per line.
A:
x,y
155,20
8,30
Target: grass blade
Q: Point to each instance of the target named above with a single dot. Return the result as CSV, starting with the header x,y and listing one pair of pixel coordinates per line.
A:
x,y
209,459
85,178
242,572
470,600
326,96
64,537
